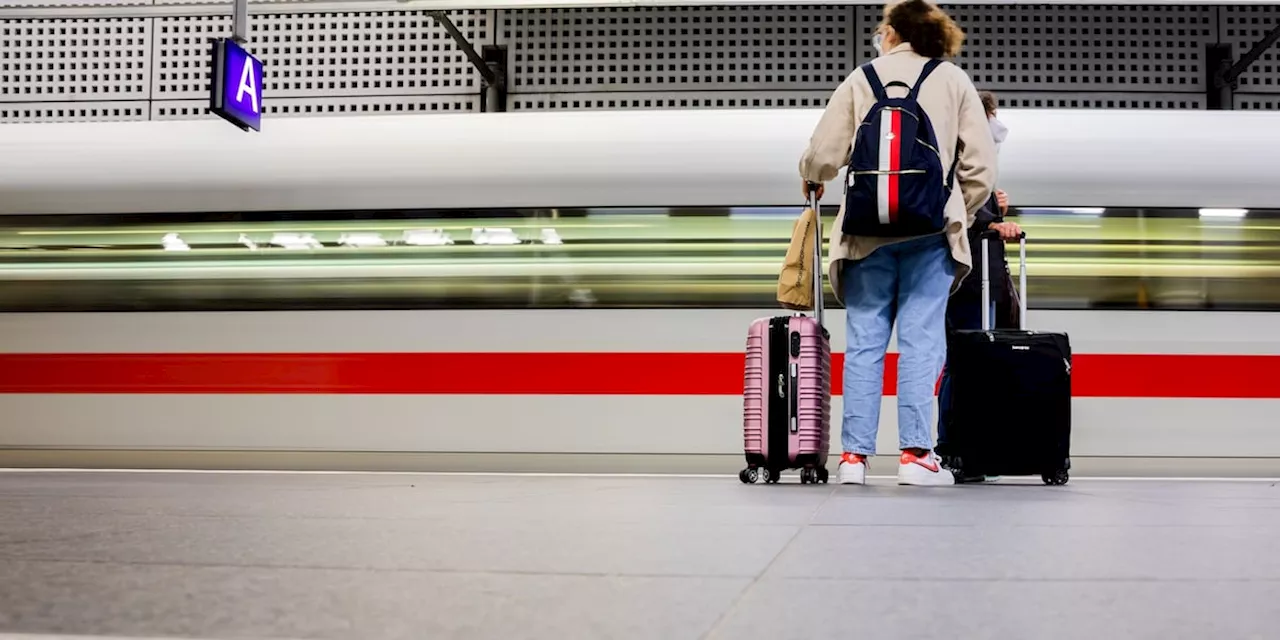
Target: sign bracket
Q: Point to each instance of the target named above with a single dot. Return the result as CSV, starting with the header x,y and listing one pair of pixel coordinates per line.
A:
x,y
240,21
1225,76
491,66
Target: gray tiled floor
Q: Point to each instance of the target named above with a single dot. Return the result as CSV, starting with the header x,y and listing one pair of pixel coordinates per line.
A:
x,y
421,556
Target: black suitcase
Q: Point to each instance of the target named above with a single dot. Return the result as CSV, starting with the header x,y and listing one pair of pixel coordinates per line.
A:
x,y
1010,395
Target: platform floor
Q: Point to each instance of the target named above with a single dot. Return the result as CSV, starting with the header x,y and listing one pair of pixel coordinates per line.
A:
x,y
210,555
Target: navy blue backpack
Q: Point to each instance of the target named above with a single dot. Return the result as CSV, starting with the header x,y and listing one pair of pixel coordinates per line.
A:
x,y
895,186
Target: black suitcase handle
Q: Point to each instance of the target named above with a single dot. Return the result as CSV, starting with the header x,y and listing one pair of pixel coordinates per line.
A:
x,y
985,238
818,299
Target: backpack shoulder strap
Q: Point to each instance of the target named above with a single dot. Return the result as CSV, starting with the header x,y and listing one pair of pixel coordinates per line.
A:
x,y
873,79
929,66
924,73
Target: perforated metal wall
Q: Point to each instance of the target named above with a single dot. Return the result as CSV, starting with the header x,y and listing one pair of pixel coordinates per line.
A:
x,y
72,111
328,63
671,100
66,60
304,107
77,3
1100,100
1148,49
1033,55
679,48
135,59
329,55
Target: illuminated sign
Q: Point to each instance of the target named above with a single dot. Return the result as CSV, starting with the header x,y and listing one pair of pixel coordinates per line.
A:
x,y
237,85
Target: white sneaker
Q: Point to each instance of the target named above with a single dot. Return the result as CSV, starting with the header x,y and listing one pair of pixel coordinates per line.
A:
x,y
923,471
853,469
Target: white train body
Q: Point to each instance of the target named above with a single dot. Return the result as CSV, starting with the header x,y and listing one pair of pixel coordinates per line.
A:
x,y
1063,158
568,389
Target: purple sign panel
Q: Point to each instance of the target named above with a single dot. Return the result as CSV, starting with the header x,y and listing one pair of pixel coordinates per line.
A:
x,y
237,85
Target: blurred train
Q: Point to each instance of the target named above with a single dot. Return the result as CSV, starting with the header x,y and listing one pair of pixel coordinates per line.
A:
x,y
570,291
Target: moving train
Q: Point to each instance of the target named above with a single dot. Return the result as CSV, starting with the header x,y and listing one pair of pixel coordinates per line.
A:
x,y
570,291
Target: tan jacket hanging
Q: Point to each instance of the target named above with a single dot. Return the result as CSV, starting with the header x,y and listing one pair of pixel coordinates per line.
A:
x,y
795,283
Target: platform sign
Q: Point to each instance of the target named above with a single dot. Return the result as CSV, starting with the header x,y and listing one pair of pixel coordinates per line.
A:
x,y
237,85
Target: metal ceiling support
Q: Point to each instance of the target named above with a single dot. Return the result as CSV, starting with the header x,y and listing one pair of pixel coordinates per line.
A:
x,y
1217,95
1225,77
495,94
240,21
492,66
1252,56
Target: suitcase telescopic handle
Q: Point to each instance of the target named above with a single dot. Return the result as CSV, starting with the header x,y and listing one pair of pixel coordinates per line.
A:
x,y
817,253
986,238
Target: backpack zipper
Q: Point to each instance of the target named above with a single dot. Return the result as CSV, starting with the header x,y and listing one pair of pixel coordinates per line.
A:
x,y
901,110
877,172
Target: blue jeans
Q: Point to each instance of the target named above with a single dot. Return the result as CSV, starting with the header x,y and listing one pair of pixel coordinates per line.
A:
x,y
907,283
964,313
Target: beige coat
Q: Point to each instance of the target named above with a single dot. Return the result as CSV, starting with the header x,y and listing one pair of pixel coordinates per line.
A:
x,y
951,101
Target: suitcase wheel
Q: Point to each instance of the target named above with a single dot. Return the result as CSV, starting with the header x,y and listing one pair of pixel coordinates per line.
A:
x,y
752,475
813,475
1057,478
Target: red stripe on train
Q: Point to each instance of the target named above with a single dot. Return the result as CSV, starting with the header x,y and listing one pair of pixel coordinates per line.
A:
x,y
1094,375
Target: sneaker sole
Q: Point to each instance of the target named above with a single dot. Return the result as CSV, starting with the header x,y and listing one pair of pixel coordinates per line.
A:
x,y
926,483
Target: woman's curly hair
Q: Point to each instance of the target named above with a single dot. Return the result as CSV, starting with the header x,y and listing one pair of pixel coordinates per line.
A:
x,y
929,30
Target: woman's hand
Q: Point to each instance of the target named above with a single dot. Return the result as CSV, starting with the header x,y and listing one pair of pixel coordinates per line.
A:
x,y
1002,199
1009,231
804,187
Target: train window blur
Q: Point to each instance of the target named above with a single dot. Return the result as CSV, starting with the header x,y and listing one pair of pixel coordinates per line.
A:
x,y
728,257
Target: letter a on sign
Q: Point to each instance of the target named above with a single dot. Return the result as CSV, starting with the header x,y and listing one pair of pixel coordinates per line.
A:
x,y
237,85
248,84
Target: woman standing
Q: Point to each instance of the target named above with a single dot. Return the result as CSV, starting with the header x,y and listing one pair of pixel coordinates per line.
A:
x,y
903,281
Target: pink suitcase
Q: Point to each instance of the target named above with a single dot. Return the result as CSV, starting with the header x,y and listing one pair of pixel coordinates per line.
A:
x,y
786,405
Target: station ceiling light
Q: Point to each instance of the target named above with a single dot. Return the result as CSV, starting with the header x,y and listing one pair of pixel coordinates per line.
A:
x,y
174,242
361,240
1224,213
1077,211
494,236
296,241
426,237
550,236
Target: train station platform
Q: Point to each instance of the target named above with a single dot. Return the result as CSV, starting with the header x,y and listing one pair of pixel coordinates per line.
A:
x,y
374,556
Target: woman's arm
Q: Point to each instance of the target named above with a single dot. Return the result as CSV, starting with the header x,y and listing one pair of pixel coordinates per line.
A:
x,y
829,146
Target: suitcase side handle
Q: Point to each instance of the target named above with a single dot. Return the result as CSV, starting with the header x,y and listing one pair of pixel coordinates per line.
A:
x,y
985,237
817,254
